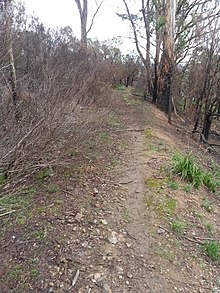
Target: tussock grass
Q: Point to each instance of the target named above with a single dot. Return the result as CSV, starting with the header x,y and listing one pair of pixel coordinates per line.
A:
x,y
186,167
212,249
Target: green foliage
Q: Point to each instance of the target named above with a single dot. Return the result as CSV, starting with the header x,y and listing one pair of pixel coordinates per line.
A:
x,y
52,189
209,227
212,249
43,174
210,182
207,205
126,214
34,273
148,133
173,185
15,272
187,188
160,22
184,166
17,200
164,206
178,226
129,101
2,178
103,136
120,87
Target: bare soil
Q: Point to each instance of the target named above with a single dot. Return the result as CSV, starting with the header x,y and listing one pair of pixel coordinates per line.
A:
x,y
104,224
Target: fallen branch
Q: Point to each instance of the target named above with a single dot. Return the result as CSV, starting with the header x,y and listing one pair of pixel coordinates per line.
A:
x,y
129,129
207,142
126,182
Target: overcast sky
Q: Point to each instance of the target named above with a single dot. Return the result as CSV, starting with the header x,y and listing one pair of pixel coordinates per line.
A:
x,y
56,13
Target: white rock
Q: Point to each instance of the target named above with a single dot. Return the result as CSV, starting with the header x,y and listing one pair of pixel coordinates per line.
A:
x,y
104,222
113,240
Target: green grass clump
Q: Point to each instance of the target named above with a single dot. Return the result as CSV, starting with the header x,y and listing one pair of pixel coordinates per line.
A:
x,y
210,182
209,227
173,185
187,188
52,188
148,133
43,174
120,87
178,226
2,178
212,249
206,204
185,166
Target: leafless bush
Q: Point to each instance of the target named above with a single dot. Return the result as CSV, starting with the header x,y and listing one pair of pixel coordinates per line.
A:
x,y
60,87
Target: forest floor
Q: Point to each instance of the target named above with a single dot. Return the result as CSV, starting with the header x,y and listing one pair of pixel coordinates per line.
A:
x,y
118,220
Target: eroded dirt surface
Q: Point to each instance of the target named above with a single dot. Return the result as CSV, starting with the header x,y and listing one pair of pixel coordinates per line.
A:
x,y
113,232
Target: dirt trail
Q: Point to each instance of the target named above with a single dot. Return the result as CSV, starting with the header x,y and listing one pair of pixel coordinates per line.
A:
x,y
140,253
118,223
133,266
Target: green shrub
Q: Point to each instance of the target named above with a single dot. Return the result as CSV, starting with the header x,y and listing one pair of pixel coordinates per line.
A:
x,y
210,182
178,226
184,166
207,205
212,249
2,178
173,184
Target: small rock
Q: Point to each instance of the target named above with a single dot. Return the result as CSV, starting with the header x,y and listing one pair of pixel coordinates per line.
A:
x,y
51,290
85,244
97,277
63,259
104,222
160,231
128,245
113,240
78,216
129,276
96,191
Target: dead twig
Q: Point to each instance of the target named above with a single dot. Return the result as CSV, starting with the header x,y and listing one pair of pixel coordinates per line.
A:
x,y
126,182
74,280
129,129
164,229
22,140
8,213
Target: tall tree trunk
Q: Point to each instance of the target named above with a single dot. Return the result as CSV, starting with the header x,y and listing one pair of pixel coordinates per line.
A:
x,y
146,17
156,63
168,60
83,12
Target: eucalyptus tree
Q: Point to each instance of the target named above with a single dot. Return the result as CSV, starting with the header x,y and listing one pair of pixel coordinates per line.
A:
x,y
82,6
166,34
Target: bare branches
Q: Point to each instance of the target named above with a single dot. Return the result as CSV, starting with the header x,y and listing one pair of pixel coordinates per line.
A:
x,y
94,16
83,12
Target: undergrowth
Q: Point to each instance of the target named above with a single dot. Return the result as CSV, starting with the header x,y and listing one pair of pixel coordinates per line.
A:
x,y
212,249
186,167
